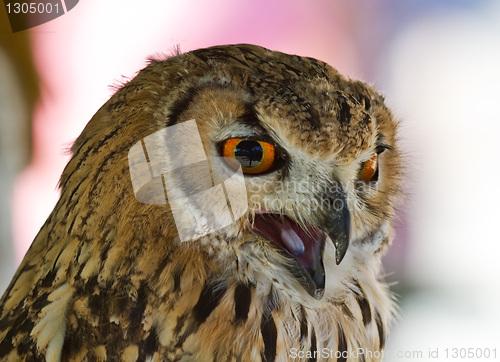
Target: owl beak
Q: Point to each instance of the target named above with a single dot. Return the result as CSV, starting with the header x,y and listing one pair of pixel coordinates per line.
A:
x,y
336,223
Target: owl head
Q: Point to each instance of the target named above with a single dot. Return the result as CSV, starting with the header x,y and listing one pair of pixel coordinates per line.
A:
x,y
311,156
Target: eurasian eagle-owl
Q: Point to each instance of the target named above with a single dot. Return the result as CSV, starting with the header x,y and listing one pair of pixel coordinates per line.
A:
x,y
296,277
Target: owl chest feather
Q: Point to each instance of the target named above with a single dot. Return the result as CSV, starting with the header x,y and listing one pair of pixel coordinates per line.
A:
x,y
202,315
206,314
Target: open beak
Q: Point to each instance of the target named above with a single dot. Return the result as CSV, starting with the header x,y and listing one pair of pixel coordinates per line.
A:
x,y
305,245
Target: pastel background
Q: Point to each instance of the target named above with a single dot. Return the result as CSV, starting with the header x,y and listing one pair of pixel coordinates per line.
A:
x,y
438,64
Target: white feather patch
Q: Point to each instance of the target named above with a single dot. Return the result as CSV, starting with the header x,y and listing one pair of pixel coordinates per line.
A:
x,y
50,331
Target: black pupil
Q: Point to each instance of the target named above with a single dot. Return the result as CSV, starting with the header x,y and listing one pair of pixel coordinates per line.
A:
x,y
248,153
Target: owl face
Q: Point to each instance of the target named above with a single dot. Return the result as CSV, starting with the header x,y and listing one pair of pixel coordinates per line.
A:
x,y
318,154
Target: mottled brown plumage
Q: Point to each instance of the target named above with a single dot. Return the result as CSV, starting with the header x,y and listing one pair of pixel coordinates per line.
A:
x,y
107,277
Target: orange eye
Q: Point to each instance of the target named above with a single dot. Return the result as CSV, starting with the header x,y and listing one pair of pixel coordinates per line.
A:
x,y
254,156
369,170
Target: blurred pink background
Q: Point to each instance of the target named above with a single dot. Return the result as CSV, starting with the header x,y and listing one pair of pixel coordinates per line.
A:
x,y
437,62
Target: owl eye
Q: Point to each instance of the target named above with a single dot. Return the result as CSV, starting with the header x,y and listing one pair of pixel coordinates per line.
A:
x,y
369,171
255,157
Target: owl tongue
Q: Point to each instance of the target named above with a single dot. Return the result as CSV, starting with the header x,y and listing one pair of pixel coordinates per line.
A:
x,y
304,245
